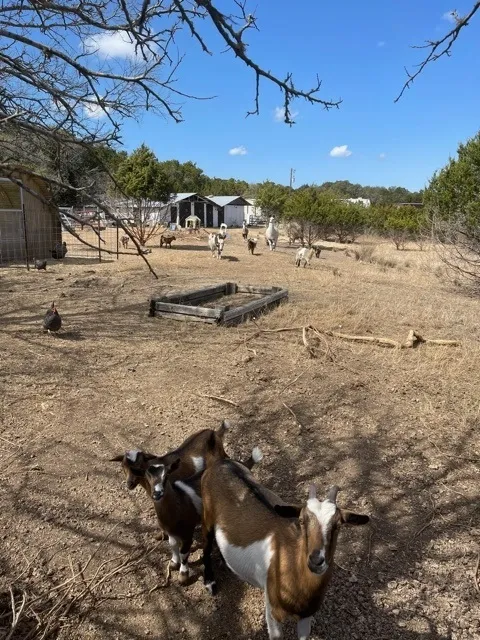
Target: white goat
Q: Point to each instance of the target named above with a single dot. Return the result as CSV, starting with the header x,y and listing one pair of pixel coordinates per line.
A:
x,y
304,255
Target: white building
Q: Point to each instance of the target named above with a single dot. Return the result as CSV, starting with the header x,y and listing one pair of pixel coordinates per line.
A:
x,y
363,201
232,209
254,214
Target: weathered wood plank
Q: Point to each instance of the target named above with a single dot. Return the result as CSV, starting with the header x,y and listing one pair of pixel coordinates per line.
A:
x,y
189,295
181,306
231,288
184,318
237,315
247,288
203,312
200,298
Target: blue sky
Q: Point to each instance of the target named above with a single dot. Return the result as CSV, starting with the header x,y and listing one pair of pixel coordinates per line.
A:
x,y
359,50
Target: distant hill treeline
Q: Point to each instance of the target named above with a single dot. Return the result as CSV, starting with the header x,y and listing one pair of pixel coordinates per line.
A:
x,y
79,166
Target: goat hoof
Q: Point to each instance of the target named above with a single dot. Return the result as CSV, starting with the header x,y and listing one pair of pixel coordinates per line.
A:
x,y
212,588
174,566
184,578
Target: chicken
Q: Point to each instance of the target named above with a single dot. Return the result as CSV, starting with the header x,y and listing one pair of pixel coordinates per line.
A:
x,y
59,251
52,320
40,264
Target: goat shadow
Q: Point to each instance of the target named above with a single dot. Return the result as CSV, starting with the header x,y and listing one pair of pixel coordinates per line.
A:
x,y
190,247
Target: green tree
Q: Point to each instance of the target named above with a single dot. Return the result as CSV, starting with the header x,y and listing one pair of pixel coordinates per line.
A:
x,y
184,178
306,217
452,202
142,180
400,224
315,213
226,187
271,198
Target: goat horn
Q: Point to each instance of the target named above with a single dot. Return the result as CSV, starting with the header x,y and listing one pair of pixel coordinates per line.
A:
x,y
332,494
312,492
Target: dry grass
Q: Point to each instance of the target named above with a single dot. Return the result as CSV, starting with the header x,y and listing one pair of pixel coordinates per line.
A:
x,y
396,429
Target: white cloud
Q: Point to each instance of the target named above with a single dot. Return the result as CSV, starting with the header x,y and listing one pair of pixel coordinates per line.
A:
x,y
238,151
94,111
341,152
279,114
450,16
117,44
381,43
382,156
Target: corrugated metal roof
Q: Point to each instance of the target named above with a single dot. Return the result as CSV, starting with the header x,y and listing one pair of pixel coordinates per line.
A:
x,y
181,196
223,201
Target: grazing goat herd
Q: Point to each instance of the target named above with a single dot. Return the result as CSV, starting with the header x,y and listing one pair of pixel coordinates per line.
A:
x,y
216,243
284,549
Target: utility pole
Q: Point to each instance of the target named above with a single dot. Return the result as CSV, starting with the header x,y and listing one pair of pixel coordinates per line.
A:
x,y
292,178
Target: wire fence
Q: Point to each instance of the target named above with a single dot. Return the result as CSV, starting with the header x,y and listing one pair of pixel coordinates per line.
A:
x,y
33,234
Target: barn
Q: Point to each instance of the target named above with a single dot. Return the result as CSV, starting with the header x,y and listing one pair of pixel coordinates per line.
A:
x,y
29,227
232,210
183,205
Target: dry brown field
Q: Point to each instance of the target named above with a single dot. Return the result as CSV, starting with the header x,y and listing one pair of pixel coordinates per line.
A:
x,y
396,429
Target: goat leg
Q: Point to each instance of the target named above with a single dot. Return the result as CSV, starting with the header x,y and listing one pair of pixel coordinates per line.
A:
x,y
208,575
184,555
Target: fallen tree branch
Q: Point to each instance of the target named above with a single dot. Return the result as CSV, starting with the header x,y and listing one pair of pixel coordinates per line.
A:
x,y
384,342
218,399
475,573
16,615
413,340
306,344
294,415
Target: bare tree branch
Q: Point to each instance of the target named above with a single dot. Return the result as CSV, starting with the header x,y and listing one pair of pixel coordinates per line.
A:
x,y
439,48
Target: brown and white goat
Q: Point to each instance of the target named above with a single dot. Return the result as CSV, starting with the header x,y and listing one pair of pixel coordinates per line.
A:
x,y
244,230
167,241
193,453
251,244
216,243
178,505
285,550
125,240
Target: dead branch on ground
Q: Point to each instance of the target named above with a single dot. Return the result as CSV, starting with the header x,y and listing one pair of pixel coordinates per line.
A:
x,y
475,573
218,399
45,607
294,415
413,340
430,518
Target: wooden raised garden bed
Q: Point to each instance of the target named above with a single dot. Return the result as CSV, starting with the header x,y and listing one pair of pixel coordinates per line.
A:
x,y
228,303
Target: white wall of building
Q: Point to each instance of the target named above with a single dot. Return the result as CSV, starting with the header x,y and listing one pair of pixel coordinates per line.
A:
x,y
252,211
234,215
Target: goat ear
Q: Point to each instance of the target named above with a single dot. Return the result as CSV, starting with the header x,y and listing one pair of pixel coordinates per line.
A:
x,y
348,517
118,458
287,510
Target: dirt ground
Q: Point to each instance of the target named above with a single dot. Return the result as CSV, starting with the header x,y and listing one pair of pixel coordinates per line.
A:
x,y
397,430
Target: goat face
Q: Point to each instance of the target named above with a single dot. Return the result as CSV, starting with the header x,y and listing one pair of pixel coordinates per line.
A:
x,y
134,465
157,475
320,522
220,245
